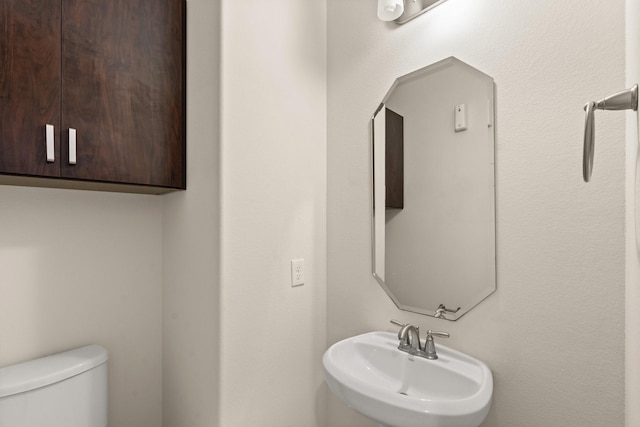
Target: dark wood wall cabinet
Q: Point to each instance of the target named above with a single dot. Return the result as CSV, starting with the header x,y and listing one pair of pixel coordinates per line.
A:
x,y
92,94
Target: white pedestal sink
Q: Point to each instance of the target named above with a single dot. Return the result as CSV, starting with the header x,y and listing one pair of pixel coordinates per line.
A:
x,y
370,375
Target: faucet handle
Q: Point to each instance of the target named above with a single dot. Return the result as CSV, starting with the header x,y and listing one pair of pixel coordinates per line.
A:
x,y
397,323
432,334
429,346
402,333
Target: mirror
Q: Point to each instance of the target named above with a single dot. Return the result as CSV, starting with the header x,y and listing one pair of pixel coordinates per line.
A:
x,y
434,190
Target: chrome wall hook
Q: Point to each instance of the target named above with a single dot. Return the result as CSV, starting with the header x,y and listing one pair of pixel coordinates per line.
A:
x,y
624,100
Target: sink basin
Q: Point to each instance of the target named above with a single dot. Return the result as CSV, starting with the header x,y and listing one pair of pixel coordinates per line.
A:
x,y
373,377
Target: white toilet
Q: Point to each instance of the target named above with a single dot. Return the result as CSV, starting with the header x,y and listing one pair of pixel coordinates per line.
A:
x,y
62,390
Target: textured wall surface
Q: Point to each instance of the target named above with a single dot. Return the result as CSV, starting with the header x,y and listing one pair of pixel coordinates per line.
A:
x,y
82,267
560,242
273,209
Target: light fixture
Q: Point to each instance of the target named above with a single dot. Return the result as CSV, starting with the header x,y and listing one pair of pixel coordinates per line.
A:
x,y
402,11
388,10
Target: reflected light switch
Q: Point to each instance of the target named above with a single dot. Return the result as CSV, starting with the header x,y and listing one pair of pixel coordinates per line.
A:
x,y
461,117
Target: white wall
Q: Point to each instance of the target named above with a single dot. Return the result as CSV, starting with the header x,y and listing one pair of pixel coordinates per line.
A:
x,y
191,305
553,333
273,209
632,228
81,267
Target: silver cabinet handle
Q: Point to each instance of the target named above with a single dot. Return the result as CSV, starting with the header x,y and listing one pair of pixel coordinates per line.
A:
x,y
50,139
624,100
72,146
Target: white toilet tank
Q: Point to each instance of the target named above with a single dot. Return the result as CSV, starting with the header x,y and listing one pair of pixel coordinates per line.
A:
x,y
62,390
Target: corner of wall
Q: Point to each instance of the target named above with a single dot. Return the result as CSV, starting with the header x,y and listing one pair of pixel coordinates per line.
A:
x,y
632,196
191,253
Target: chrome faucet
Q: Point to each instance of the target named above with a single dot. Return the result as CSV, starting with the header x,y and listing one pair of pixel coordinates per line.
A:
x,y
409,337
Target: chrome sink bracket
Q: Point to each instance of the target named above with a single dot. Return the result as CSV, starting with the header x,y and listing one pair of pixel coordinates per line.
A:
x,y
429,345
624,100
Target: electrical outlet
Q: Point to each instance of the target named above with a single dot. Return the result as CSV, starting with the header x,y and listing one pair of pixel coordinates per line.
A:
x,y
297,272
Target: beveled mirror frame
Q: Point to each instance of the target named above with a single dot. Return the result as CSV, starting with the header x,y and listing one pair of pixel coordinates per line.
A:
x,y
466,297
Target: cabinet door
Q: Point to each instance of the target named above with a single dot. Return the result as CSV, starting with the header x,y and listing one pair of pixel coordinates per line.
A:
x,y
122,90
29,85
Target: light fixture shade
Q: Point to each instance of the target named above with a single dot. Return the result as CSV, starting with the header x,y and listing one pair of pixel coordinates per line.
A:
x,y
388,10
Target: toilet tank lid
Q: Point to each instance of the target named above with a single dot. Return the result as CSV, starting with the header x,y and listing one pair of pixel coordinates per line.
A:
x,y
51,369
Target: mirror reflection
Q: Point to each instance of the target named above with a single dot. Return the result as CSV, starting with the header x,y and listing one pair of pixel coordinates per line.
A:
x,y
433,190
